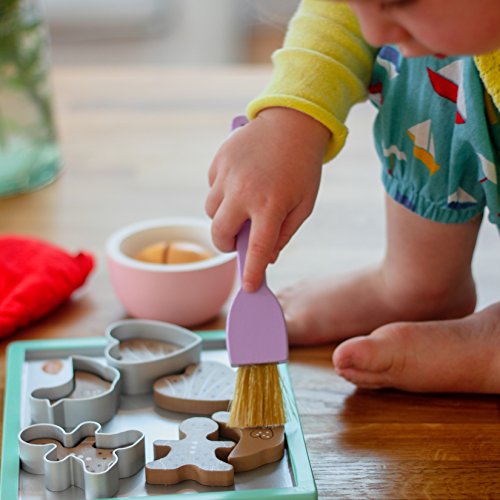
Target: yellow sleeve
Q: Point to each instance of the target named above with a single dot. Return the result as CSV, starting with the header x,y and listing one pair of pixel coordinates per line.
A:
x,y
488,66
322,70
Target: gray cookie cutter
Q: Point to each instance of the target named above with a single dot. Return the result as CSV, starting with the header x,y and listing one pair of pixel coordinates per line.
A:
x,y
128,457
54,406
138,375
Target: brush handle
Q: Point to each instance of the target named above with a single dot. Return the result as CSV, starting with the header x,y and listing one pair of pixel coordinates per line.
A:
x,y
238,121
242,246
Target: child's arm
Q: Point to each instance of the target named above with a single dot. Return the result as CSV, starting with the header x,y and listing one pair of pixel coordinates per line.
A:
x,y
269,170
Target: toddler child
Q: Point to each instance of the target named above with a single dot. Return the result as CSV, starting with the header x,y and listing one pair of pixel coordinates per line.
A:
x,y
435,79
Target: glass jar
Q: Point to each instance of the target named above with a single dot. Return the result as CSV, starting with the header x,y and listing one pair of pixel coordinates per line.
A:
x,y
29,155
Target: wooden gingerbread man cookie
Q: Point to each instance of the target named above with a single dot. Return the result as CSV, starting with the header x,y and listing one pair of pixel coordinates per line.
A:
x,y
255,446
196,456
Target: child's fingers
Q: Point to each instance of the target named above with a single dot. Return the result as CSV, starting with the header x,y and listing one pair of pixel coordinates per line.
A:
x,y
226,223
211,177
290,226
274,257
264,234
212,173
213,201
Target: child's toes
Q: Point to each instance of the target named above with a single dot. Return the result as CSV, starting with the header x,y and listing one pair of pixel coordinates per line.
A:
x,y
365,380
364,354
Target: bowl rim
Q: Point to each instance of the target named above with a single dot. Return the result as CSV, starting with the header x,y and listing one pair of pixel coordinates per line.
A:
x,y
115,240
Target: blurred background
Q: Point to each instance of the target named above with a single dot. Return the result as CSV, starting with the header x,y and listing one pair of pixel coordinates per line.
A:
x,y
181,32
197,33
97,45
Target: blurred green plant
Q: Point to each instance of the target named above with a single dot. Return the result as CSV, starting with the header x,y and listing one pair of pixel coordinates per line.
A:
x,y
23,64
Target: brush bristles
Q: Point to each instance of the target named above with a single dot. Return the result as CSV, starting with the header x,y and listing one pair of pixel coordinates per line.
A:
x,y
258,399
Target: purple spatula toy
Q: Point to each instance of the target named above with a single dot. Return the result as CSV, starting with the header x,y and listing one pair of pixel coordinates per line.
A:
x,y
256,331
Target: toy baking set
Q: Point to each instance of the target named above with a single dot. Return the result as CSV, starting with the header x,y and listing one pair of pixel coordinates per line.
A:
x,y
140,412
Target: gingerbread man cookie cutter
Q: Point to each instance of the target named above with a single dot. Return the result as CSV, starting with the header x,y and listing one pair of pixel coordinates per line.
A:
x,y
92,394
255,446
144,350
196,456
86,457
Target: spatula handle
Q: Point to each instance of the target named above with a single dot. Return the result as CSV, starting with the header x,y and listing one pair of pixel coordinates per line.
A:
x,y
242,246
238,121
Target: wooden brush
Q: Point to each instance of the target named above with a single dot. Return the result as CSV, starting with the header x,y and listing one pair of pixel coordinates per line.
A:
x,y
256,343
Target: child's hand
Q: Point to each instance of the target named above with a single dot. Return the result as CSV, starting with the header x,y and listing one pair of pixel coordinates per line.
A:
x,y
269,172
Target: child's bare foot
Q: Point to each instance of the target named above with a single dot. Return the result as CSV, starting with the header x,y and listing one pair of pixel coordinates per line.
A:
x,y
461,355
330,310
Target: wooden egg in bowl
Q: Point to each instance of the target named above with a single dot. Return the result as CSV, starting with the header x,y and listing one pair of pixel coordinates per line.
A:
x,y
169,270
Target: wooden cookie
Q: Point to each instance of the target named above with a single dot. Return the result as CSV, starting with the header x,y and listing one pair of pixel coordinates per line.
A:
x,y
194,456
95,459
133,350
87,385
53,366
255,446
202,390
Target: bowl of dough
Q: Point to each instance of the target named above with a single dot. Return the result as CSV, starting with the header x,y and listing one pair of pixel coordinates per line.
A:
x,y
169,270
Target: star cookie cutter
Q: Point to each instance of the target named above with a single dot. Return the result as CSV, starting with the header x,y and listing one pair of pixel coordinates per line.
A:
x,y
144,350
92,394
86,457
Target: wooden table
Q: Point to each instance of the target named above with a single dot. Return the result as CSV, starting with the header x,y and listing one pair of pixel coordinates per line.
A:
x,y
137,143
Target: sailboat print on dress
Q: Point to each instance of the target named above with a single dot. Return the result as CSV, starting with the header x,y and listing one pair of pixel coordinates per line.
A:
x,y
390,59
423,149
448,83
393,152
375,93
461,199
489,171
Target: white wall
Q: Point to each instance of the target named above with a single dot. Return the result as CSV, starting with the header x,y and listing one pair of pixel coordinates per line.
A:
x,y
145,31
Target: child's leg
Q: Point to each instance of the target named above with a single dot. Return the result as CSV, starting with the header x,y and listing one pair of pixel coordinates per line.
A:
x,y
425,275
456,355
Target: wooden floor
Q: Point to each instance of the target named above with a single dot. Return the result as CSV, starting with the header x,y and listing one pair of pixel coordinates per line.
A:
x,y
137,144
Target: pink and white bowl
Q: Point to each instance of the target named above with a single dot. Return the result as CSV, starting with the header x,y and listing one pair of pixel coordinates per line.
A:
x,y
184,294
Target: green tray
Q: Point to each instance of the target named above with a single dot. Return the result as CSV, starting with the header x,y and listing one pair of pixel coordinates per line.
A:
x,y
21,353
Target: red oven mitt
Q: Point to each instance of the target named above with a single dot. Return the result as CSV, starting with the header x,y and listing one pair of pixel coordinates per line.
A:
x,y
35,278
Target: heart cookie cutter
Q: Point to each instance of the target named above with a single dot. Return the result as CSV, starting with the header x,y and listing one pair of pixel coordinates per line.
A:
x,y
86,457
144,350
93,394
